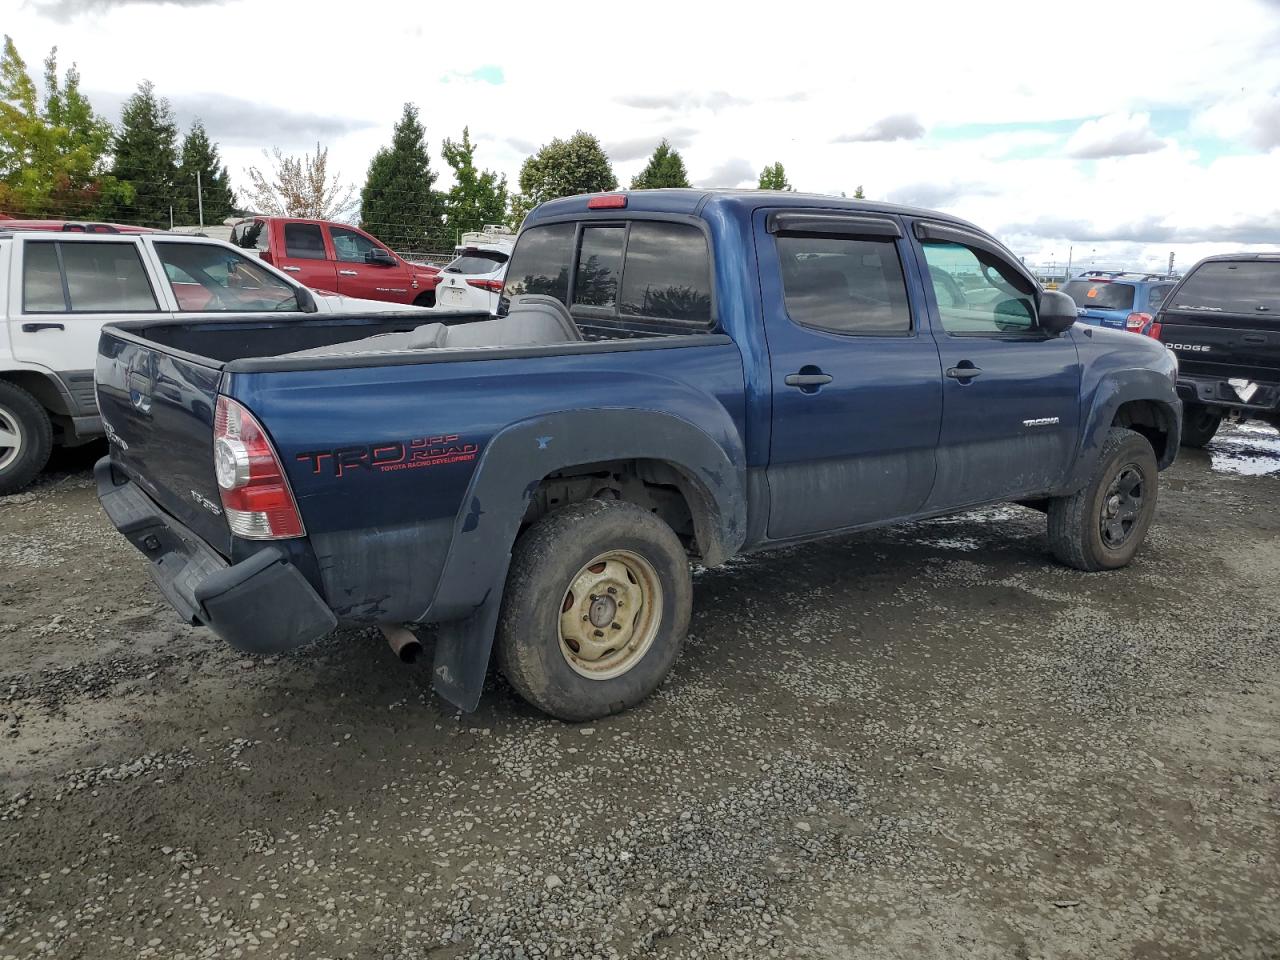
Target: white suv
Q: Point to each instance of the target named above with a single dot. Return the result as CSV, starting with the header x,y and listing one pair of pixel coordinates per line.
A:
x,y
58,289
473,279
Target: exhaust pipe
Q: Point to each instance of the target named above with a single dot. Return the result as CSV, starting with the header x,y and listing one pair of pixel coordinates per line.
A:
x,y
406,646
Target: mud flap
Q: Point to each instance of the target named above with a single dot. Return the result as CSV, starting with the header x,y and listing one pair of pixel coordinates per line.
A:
x,y
463,648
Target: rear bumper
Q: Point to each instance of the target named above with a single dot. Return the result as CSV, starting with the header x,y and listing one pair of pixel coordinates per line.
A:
x,y
261,605
1217,392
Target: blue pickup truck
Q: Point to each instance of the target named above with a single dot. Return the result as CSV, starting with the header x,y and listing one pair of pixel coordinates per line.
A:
x,y
672,375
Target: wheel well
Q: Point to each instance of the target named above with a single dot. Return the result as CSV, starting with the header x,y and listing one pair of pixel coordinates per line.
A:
x,y
425,299
658,486
1153,421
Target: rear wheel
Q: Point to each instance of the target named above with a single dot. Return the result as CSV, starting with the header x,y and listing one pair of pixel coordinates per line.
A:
x,y
1199,424
1102,526
595,611
425,299
26,438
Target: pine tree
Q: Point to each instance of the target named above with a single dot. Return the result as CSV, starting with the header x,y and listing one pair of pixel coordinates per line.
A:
x,y
477,196
146,157
562,168
398,203
664,169
200,155
774,177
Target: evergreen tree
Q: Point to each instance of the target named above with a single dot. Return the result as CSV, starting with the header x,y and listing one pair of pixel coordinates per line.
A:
x,y
664,169
858,194
562,168
146,157
398,204
774,177
477,196
200,155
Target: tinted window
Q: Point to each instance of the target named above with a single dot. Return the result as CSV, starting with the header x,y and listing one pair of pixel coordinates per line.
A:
x,y
304,241
231,282
540,263
476,261
667,274
42,279
1241,286
844,285
595,284
1156,295
349,245
106,277
977,293
1100,294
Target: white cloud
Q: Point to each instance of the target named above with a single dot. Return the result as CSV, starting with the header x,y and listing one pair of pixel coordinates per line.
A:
x,y
1115,135
899,126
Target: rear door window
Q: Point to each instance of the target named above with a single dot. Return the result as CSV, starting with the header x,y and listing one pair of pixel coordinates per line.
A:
x,y
667,274
1156,295
1232,286
540,263
844,285
1100,294
304,241
86,278
42,279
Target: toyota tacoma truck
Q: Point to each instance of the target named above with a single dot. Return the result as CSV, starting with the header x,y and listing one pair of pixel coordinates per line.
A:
x,y
672,376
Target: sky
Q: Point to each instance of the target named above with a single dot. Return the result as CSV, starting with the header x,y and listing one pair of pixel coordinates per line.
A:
x,y
1113,132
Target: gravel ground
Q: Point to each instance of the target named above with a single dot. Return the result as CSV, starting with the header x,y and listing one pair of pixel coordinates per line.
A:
x,y
923,742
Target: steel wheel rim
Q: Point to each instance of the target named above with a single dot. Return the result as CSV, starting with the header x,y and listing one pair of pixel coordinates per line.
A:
x,y
610,614
10,438
1122,506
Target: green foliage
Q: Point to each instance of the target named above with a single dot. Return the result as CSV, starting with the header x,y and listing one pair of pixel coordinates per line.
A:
x,y
664,169
858,194
477,197
52,153
199,154
774,177
146,156
398,203
562,168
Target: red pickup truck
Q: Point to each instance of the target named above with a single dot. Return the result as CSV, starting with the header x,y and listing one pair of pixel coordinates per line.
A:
x,y
337,258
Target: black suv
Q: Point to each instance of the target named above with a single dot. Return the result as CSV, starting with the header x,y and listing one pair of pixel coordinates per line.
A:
x,y
1222,321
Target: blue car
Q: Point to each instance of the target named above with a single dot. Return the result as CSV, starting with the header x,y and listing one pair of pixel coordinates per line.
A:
x,y
1122,301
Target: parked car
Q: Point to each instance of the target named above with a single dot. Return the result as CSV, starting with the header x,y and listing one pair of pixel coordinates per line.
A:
x,y
338,258
1122,301
473,279
672,374
72,226
1222,320
57,289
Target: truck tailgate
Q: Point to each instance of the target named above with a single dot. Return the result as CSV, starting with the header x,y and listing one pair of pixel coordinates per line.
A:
x,y
157,408
1224,344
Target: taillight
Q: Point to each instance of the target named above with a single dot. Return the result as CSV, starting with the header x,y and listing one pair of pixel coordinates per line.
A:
x,y
255,494
1137,322
493,286
1153,331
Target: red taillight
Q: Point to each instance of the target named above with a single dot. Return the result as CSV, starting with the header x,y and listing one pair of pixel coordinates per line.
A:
x,y
493,286
1137,322
1153,331
255,494
608,201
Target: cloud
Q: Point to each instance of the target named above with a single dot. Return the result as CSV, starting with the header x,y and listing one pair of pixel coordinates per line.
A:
x,y
230,120
898,126
620,151
1150,229
519,145
938,194
713,100
731,173
1115,135
65,11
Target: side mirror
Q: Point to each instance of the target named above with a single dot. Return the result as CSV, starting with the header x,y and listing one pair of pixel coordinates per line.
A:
x,y
379,257
1057,312
305,301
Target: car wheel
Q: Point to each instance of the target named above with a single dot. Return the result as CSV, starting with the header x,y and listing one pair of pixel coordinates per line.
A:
x,y
1199,424
26,438
1102,526
595,611
425,299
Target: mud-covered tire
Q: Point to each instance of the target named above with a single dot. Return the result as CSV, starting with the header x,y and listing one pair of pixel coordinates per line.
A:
x,y
1199,425
548,560
1083,527
26,438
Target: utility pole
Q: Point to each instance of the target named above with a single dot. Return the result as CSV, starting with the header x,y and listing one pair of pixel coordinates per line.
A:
x,y
1070,251
1171,263
171,216
199,199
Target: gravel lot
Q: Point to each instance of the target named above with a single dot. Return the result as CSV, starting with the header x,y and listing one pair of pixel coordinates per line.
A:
x,y
923,742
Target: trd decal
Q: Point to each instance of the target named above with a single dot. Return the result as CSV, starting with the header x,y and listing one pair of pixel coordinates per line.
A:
x,y
392,455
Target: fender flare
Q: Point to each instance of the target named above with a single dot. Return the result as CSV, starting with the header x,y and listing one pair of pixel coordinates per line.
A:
x,y
1112,392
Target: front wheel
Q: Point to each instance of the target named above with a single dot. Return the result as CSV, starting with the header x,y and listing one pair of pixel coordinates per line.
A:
x,y
1199,424
1102,526
595,611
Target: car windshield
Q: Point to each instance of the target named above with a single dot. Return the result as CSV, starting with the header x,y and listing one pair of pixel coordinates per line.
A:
x,y
477,261
1239,286
1100,294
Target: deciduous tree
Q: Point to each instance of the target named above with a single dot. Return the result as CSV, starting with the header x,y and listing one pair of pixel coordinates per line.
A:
x,y
298,187
562,168
477,196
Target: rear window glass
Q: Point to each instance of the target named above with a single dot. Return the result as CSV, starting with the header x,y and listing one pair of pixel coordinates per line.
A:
x,y
844,285
667,274
540,263
476,261
1243,286
1095,295
595,284
41,279
303,241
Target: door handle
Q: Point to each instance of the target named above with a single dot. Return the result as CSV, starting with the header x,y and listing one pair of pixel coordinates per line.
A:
x,y
348,273
292,269
1254,338
808,380
964,373
37,327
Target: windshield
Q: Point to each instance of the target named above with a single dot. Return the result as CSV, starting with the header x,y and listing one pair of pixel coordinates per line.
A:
x,y
1100,295
1242,286
477,261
